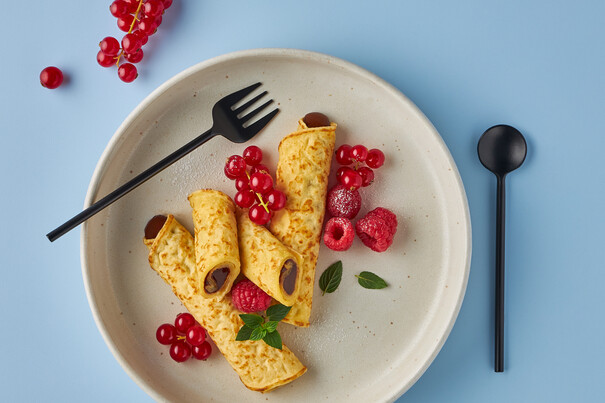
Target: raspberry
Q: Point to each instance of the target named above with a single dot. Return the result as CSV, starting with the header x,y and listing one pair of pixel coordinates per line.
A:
x,y
247,297
377,229
339,233
343,202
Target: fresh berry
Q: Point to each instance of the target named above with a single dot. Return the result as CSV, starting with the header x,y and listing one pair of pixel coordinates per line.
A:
x,y
377,229
125,22
127,72
259,168
247,297
349,178
195,335
105,60
244,198
110,46
167,3
118,8
202,352
141,35
153,8
135,57
51,77
183,322
131,43
253,155
180,351
339,234
276,200
375,158
242,183
343,202
359,153
367,176
343,156
261,182
148,26
258,215
166,334
235,166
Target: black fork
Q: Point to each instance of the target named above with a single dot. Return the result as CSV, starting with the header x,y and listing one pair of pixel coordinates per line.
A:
x,y
225,122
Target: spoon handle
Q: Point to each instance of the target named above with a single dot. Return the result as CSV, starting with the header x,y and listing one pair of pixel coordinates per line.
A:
x,y
500,238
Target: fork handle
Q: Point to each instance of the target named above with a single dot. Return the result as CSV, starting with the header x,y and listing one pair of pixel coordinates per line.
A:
x,y
128,186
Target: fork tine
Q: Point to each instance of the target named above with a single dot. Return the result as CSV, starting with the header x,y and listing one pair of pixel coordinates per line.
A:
x,y
255,112
245,106
239,95
262,122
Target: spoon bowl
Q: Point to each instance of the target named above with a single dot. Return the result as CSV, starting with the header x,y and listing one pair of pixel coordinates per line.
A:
x,y
502,149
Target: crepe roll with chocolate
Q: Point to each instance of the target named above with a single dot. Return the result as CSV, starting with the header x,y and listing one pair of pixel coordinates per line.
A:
x,y
302,174
259,366
216,248
267,262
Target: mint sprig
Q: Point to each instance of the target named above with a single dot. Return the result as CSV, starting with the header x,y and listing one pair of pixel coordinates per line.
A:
x,y
370,280
255,327
330,278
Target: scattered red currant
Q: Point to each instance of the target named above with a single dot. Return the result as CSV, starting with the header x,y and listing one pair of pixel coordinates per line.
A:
x,y
343,156
375,158
127,72
367,176
180,351
183,322
359,153
195,335
166,334
186,338
259,215
51,77
253,155
350,179
357,175
202,352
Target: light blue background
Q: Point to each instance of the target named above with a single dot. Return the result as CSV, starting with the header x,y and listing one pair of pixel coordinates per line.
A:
x,y
468,64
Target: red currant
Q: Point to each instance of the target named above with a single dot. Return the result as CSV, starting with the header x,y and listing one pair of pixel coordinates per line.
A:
x,y
183,322
180,351
259,215
195,335
153,8
375,158
125,21
132,5
127,72
167,3
244,198
276,200
350,179
359,153
166,334
259,168
343,156
142,36
135,57
148,26
131,43
253,155
105,60
118,8
261,182
242,183
235,166
110,46
367,176
158,21
51,77
202,352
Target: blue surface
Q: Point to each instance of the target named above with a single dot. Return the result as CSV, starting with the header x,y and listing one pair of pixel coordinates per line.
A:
x,y
469,64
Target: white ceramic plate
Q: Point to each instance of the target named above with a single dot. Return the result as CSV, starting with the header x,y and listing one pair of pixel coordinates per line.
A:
x,y
363,345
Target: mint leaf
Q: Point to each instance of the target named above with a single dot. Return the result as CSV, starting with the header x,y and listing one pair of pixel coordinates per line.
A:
x,y
252,320
273,339
244,333
270,326
277,312
370,280
258,333
330,278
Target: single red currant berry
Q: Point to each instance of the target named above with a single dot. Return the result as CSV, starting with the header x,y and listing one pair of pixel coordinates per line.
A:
x,y
359,153
166,334
367,176
158,21
141,35
105,60
125,21
195,335
253,155
259,168
351,179
244,198
118,8
167,3
51,77
131,43
261,182
343,156
153,8
202,352
110,46
183,322
132,5
235,165
135,57
259,215
148,26
127,72
276,200
375,158
242,183
180,351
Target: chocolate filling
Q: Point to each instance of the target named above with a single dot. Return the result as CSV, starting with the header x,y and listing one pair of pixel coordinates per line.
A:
x,y
287,276
154,226
216,279
316,119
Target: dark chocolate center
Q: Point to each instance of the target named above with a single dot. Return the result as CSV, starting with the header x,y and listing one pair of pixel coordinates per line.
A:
x,y
316,119
154,226
287,276
216,279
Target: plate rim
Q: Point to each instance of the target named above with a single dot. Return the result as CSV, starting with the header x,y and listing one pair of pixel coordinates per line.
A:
x,y
121,131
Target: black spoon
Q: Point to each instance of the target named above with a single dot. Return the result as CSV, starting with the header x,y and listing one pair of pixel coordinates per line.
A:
x,y
501,149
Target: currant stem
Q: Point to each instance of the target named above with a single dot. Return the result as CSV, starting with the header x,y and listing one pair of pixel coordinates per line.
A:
x,y
136,18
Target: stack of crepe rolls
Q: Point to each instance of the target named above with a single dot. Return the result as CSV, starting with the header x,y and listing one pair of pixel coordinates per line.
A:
x,y
302,174
216,246
172,254
268,263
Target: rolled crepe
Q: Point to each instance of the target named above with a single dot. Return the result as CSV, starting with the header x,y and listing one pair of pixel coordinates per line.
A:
x,y
260,367
267,262
216,249
302,174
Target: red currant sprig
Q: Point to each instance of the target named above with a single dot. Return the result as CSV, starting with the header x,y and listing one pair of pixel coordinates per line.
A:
x,y
139,19
358,175
255,186
186,338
